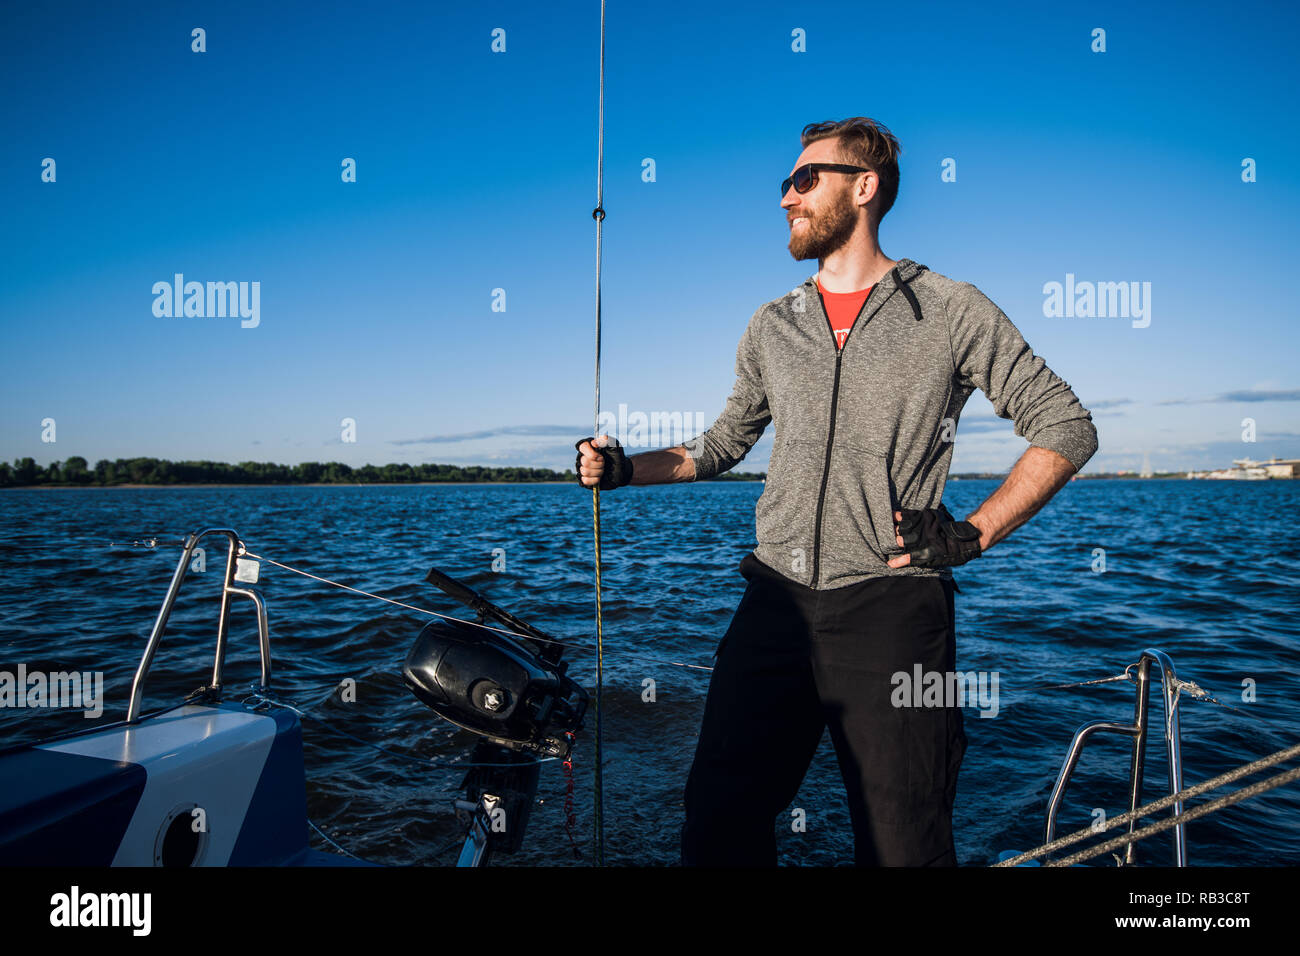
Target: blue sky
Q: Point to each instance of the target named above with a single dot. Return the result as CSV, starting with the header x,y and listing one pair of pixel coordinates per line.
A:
x,y
476,171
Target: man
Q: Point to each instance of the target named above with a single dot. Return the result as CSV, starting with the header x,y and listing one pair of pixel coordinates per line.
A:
x,y
864,370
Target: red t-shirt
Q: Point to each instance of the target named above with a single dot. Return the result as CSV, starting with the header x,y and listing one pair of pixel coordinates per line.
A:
x,y
841,309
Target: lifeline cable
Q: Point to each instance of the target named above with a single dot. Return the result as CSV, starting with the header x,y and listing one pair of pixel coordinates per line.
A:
x,y
460,620
598,816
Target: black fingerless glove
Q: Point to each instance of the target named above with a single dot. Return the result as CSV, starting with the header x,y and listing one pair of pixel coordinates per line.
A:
x,y
618,467
935,540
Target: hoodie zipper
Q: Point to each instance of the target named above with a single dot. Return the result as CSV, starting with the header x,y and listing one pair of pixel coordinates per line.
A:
x,y
830,437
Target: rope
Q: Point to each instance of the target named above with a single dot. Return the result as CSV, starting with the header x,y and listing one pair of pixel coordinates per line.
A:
x,y
1206,808
1161,804
598,809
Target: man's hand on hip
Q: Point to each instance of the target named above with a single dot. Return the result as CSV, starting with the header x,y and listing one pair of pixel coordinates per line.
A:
x,y
933,539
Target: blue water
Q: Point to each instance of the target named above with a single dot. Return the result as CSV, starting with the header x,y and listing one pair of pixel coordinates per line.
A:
x,y
1206,571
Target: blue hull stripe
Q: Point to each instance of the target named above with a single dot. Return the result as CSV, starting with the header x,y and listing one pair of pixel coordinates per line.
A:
x,y
65,808
275,826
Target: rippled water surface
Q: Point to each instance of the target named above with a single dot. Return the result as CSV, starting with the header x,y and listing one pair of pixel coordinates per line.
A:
x,y
1206,571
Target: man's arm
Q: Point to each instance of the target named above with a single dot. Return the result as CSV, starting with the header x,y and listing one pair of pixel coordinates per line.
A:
x,y
660,467
663,466
649,468
1039,474
990,353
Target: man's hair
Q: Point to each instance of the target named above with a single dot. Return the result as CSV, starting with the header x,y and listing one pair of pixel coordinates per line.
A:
x,y
863,142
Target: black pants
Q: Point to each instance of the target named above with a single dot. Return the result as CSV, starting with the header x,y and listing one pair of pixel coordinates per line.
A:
x,y
795,660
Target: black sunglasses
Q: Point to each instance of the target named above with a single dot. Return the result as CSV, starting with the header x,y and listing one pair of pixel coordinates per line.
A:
x,y
805,177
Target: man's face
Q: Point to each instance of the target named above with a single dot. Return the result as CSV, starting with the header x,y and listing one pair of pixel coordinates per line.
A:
x,y
822,219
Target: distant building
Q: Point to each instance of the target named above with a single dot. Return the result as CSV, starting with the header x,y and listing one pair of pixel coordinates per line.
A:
x,y
1282,467
1248,469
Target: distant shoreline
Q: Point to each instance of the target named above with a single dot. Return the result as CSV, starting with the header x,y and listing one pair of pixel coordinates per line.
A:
x,y
283,484
1181,476
142,472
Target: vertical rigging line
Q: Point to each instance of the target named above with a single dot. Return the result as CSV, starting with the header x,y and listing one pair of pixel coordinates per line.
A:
x,y
598,815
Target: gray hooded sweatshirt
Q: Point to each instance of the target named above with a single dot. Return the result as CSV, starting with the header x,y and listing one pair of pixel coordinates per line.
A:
x,y
868,429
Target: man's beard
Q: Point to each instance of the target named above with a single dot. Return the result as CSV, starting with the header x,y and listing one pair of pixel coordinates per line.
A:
x,y
825,232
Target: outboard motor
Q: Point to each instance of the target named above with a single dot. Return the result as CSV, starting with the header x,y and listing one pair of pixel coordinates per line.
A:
x,y
511,689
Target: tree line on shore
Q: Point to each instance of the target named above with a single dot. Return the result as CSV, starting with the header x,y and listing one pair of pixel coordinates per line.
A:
x,y
76,471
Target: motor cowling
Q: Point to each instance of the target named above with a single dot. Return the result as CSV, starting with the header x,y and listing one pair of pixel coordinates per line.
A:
x,y
489,683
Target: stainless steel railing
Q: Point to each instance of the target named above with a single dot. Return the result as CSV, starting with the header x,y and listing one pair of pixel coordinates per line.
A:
x,y
228,590
1138,731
